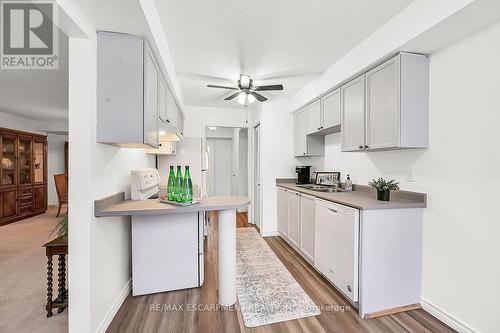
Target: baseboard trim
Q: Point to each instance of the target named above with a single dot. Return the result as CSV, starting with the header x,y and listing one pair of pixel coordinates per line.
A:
x,y
269,233
446,318
390,311
103,326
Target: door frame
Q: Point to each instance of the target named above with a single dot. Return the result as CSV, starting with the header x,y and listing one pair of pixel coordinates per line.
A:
x,y
256,157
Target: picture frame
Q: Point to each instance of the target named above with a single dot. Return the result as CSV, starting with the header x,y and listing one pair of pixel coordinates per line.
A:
x,y
328,178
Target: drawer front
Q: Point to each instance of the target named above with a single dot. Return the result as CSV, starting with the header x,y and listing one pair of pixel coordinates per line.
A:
x,y
26,210
23,192
25,201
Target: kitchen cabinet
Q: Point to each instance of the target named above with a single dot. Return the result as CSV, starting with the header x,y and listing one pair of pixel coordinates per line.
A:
x,y
293,217
307,225
314,123
306,145
135,107
330,110
388,107
283,211
353,115
336,247
164,148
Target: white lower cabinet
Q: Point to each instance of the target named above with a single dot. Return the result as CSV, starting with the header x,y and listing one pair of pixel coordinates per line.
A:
x,y
283,211
307,222
294,217
336,246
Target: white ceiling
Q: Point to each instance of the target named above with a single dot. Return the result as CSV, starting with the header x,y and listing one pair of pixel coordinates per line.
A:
x,y
37,94
274,41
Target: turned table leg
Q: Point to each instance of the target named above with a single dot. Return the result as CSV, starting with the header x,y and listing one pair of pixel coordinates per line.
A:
x,y
227,256
61,295
49,286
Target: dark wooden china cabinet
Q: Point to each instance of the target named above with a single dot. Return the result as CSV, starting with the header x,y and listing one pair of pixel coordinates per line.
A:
x,y
23,174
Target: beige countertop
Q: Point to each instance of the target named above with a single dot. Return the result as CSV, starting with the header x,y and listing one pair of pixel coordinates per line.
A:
x,y
363,197
116,205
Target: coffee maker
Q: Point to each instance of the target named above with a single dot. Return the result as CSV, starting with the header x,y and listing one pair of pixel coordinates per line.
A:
x,y
303,174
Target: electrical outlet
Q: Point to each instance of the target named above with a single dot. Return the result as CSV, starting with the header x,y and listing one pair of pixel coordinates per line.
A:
x,y
409,175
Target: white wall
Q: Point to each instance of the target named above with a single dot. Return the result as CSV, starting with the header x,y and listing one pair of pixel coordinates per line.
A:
x,y
19,123
198,117
99,249
55,163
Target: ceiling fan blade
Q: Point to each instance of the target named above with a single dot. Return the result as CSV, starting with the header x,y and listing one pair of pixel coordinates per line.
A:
x,y
269,87
232,96
221,87
259,97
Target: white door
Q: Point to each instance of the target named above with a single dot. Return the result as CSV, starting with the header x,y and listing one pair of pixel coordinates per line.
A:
x,y
256,168
331,109
293,217
353,115
222,166
314,117
382,105
211,166
307,217
283,211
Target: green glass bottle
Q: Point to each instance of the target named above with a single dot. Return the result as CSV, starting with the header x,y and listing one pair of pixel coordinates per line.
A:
x,y
188,186
178,184
171,184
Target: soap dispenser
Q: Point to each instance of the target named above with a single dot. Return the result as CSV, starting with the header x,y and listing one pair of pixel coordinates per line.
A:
x,y
348,184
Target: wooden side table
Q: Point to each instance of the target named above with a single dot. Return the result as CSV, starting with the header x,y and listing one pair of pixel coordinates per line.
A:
x,y
58,246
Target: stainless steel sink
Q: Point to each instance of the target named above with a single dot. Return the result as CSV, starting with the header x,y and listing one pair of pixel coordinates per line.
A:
x,y
319,188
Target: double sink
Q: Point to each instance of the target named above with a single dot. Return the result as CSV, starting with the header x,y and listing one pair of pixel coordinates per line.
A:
x,y
319,188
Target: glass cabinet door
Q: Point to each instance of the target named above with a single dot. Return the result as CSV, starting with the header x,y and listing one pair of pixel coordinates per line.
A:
x,y
39,167
8,161
24,161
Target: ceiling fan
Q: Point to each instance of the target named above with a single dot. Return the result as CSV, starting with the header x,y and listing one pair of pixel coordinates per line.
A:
x,y
246,91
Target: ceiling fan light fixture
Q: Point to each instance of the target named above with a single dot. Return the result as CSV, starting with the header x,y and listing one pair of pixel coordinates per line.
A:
x,y
242,97
245,81
251,98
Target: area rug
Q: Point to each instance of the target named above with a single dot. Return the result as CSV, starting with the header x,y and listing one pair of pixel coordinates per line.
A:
x,y
267,292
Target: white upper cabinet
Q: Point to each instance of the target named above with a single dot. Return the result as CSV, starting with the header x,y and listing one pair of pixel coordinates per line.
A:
x,y
396,106
314,123
353,115
306,145
330,106
151,98
162,98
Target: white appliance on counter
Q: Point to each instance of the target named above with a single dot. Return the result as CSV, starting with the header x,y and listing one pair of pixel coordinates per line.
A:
x,y
144,184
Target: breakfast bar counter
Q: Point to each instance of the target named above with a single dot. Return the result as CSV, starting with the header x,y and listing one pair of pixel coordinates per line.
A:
x,y
167,242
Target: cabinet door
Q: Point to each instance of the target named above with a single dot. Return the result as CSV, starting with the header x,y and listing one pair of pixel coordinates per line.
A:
x,y
283,211
294,217
151,79
10,207
180,122
25,157
162,99
382,105
40,198
39,160
307,222
300,133
353,115
314,117
9,160
331,109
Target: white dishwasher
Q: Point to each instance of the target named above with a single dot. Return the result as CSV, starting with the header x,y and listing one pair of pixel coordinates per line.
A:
x,y
337,245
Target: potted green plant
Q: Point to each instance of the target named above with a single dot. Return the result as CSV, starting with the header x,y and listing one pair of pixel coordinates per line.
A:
x,y
384,188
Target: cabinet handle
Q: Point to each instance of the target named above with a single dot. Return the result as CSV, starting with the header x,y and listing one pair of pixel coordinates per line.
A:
x,y
168,121
360,147
366,147
319,128
332,210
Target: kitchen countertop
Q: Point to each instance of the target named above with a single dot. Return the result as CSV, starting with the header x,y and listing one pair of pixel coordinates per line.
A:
x,y
116,205
363,197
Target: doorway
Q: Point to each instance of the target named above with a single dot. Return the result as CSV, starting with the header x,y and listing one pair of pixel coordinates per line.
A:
x,y
256,168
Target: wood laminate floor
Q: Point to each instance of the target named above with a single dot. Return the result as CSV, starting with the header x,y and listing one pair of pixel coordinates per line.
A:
x,y
196,310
